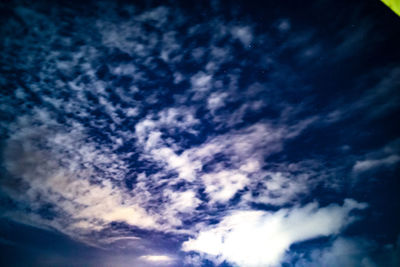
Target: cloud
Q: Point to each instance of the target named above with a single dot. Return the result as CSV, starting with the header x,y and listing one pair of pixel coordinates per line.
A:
x,y
283,25
178,205
157,260
279,188
251,142
119,238
150,120
260,238
349,251
243,34
201,81
51,167
342,252
216,100
223,185
376,101
242,150
365,165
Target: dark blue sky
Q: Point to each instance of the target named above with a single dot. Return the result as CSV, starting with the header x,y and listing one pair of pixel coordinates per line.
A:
x,y
196,133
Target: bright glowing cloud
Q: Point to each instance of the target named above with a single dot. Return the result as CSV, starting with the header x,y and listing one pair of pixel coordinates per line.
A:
x,y
156,258
260,238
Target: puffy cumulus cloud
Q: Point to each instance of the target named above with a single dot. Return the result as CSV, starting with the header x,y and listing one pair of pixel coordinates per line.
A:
x,y
261,238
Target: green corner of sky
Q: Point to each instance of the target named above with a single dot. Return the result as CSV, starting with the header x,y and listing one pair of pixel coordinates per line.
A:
x,y
393,5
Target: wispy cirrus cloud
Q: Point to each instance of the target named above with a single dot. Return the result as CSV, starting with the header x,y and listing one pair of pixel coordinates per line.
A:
x,y
368,164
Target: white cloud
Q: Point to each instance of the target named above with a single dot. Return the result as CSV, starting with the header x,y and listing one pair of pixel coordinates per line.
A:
x,y
278,188
201,81
261,238
182,201
193,260
181,163
250,166
156,258
181,118
132,112
123,69
223,185
178,77
158,16
52,167
216,100
84,178
251,142
365,165
148,129
244,34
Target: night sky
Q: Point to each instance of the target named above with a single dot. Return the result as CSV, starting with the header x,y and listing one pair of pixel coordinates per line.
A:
x,y
199,133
